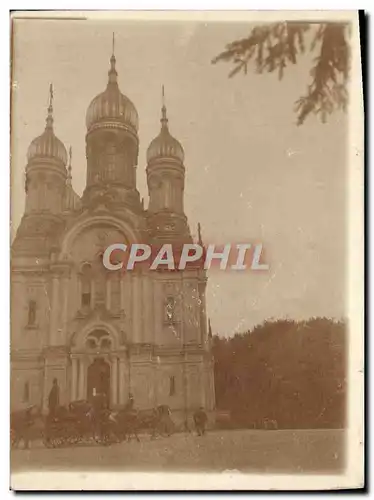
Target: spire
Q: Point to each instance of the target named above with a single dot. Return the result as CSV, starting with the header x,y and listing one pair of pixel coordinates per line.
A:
x,y
69,178
210,335
113,72
164,120
49,120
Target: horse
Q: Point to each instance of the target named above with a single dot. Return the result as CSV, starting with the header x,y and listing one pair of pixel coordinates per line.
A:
x,y
23,425
69,424
98,423
126,424
165,425
130,422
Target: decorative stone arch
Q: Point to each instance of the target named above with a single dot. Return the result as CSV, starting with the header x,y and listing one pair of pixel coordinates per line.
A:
x,y
82,359
78,341
123,226
82,264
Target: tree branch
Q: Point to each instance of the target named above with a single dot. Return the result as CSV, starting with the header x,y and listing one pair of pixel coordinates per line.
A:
x,y
274,46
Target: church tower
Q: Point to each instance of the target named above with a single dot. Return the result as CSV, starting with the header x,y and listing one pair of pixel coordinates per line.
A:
x,y
46,170
45,181
112,145
165,179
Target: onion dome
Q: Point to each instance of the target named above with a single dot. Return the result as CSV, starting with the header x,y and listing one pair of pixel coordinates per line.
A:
x,y
111,107
165,145
47,145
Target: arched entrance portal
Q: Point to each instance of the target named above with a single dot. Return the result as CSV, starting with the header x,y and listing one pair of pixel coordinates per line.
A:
x,y
98,380
99,364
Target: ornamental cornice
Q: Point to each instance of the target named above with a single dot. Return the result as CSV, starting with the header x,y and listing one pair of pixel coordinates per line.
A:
x,y
55,351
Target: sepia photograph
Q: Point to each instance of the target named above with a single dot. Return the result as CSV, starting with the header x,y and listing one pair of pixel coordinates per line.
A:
x,y
186,263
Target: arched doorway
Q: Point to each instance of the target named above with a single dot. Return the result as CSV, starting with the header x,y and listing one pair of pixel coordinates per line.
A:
x,y
98,380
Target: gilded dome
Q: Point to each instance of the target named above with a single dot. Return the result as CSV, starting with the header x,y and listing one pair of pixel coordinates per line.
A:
x,y
112,106
165,145
47,145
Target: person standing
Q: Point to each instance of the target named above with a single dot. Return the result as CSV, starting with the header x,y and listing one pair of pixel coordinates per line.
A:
x,y
53,399
200,419
130,403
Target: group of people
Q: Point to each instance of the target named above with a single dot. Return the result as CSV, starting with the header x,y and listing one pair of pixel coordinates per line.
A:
x,y
100,404
23,421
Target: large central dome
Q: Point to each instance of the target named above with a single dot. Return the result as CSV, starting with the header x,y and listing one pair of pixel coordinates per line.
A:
x,y
111,107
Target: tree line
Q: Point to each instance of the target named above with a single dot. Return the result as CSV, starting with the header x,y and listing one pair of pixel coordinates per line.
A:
x,y
288,374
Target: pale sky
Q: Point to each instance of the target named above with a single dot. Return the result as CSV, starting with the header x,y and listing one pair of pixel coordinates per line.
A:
x,y
251,173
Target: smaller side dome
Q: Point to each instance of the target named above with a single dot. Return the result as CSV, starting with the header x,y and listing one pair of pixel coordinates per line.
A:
x,y
165,145
47,145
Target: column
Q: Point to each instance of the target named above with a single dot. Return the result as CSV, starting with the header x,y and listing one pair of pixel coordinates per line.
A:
x,y
158,311
114,381
79,290
108,293
122,381
74,377
125,284
93,293
46,390
185,385
65,309
147,297
123,291
202,308
53,332
202,377
81,379
136,305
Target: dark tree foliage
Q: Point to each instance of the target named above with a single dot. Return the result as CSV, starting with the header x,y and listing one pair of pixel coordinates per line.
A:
x,y
291,372
274,46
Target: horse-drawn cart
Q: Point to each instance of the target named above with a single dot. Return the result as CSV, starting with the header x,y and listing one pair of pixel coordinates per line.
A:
x,y
81,423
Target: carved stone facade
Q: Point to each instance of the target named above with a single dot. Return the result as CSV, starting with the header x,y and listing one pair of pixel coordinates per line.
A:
x,y
70,317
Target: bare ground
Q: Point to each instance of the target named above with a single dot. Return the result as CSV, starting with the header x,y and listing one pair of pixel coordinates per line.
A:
x,y
282,451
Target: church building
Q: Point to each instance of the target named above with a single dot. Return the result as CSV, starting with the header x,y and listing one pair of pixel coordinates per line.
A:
x,y
140,332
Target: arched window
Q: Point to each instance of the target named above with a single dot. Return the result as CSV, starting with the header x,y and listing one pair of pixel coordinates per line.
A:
x,y
99,340
31,319
110,161
101,276
170,306
115,289
105,344
172,385
86,282
26,392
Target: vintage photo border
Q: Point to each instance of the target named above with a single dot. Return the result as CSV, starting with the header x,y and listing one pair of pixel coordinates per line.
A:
x,y
234,480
